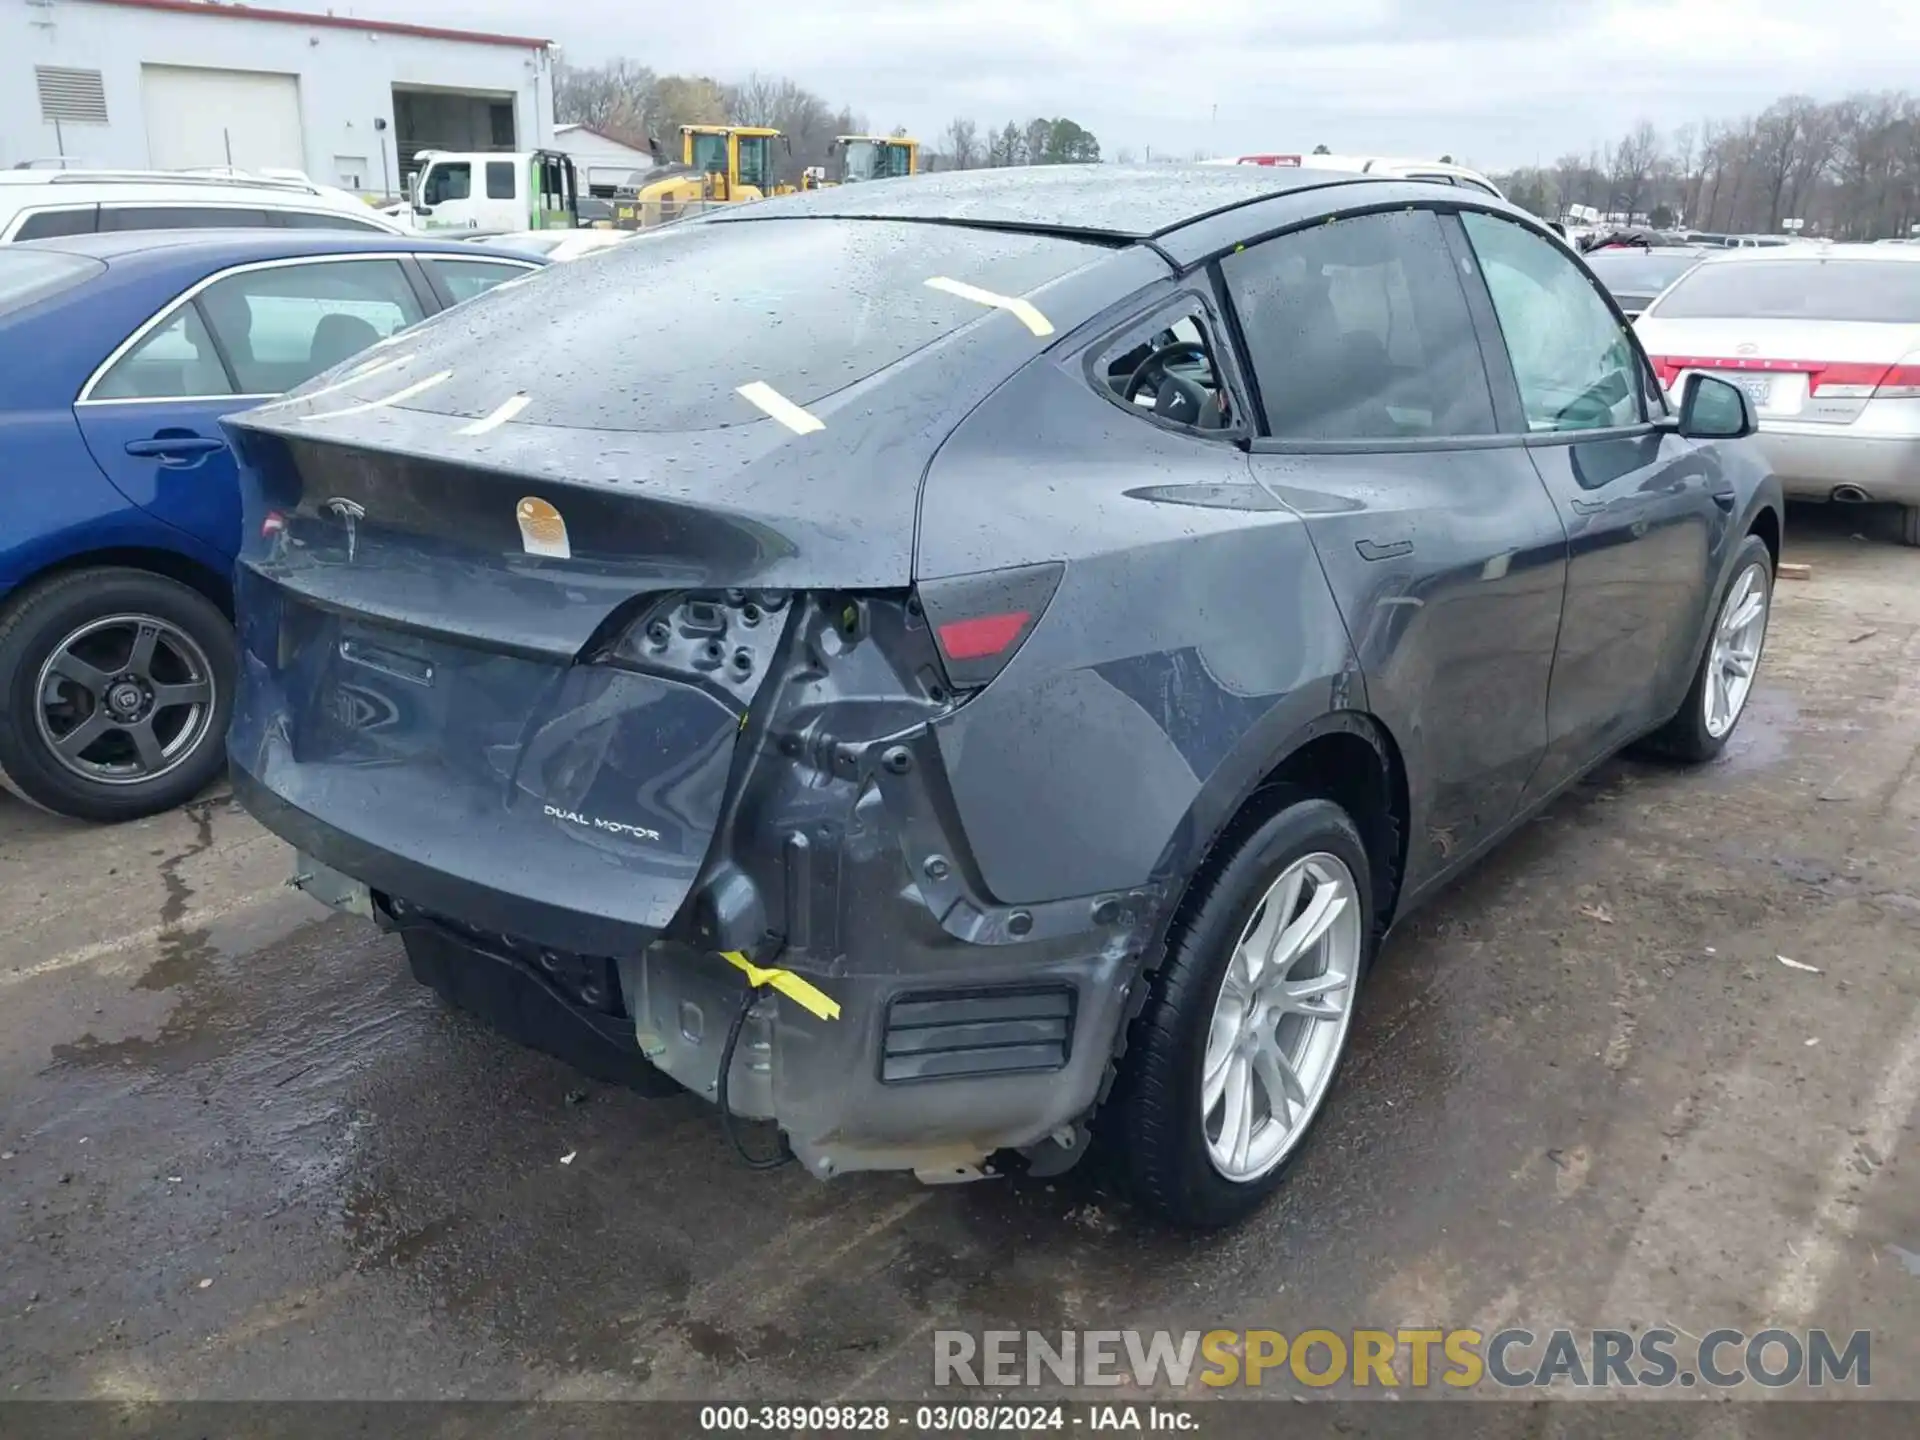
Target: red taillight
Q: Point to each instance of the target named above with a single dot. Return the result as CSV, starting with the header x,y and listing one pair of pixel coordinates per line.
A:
x,y
1839,380
1844,381
983,635
274,524
1901,382
980,621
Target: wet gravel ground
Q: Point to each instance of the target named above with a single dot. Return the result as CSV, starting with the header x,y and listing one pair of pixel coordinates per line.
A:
x,y
242,1154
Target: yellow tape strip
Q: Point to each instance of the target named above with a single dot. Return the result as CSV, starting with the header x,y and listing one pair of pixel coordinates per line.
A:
x,y
1027,312
808,997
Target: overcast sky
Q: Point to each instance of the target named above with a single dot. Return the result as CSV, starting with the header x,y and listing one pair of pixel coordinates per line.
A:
x,y
1496,83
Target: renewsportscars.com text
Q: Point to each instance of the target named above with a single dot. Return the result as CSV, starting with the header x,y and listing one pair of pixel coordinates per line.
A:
x,y
1655,1358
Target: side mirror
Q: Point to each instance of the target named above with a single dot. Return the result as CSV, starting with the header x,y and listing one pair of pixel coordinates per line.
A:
x,y
1715,409
420,209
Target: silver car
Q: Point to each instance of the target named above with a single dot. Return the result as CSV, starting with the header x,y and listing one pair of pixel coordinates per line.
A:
x,y
1826,341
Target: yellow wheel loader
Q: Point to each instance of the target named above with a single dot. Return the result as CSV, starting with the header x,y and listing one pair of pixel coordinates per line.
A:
x,y
719,165
877,157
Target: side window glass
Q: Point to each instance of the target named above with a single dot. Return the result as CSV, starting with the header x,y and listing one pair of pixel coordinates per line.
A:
x,y
323,220
175,361
468,278
181,217
1574,362
284,325
500,179
1359,330
448,182
1166,369
49,223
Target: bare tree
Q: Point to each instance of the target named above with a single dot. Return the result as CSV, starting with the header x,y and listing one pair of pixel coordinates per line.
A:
x,y
1007,146
1631,167
1034,142
757,100
962,142
616,99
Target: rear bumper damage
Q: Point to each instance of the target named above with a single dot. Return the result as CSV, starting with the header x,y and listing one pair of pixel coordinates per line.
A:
x,y
944,1057
959,1035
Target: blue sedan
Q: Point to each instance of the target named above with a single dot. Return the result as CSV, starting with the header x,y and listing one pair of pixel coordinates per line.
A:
x,y
119,504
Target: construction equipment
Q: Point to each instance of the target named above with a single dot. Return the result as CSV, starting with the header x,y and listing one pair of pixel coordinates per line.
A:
x,y
719,165
876,157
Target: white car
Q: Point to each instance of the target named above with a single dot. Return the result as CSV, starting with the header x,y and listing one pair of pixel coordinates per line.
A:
x,y
560,244
1825,340
1440,171
42,204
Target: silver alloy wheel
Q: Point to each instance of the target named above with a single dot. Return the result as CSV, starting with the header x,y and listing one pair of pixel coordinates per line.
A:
x,y
1738,634
125,699
1280,1019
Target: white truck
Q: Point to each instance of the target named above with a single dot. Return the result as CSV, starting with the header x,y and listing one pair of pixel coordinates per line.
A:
x,y
492,192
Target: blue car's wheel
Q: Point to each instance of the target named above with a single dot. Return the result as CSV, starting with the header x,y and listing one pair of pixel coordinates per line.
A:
x,y
119,684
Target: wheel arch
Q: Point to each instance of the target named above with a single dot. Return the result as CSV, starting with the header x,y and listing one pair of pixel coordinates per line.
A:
x,y
1766,524
1347,756
174,565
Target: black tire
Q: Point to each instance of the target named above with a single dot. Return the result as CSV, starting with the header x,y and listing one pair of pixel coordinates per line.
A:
x,y
1685,736
1910,524
35,624
1154,1124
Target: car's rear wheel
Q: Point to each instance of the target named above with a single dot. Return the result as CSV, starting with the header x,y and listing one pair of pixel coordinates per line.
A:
x,y
119,685
1729,662
1247,1018
1910,524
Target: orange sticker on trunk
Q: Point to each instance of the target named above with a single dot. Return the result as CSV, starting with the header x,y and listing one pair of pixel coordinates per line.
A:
x,y
542,531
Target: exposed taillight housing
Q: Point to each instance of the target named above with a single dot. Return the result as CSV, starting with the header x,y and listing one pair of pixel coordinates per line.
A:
x,y
980,621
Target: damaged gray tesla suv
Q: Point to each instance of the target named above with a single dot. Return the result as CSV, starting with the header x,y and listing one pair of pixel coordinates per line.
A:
x,y
969,670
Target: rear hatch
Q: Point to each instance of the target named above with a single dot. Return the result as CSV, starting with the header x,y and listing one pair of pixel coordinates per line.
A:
x,y
511,583
1810,340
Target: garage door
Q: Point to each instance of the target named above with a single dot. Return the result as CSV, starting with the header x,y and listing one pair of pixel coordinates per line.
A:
x,y
246,118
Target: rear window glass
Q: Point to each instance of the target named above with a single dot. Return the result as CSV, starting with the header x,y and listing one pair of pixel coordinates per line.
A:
x,y
659,333
27,276
1622,271
1870,290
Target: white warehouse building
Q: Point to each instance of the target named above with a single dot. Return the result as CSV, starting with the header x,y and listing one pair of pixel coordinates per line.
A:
x,y
183,84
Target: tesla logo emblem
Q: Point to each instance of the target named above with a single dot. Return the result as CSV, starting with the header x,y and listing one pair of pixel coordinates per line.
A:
x,y
348,513
1746,348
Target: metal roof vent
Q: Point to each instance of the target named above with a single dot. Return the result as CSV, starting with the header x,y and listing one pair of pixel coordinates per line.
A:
x,y
72,97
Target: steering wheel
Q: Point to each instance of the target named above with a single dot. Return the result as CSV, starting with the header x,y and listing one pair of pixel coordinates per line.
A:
x,y
1175,397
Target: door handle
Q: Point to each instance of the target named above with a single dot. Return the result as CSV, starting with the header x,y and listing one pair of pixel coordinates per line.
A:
x,y
1724,499
1589,507
175,447
1383,550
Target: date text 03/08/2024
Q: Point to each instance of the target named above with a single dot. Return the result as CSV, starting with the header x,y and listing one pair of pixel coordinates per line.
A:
x,y
944,1419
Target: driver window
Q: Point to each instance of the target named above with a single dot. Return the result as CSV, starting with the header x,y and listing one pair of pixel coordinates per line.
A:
x,y
448,182
1573,361
1165,370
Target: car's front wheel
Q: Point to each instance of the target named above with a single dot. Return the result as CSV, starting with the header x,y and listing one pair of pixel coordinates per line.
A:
x,y
118,687
1247,1019
1728,662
